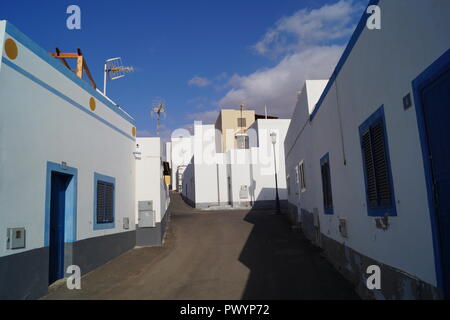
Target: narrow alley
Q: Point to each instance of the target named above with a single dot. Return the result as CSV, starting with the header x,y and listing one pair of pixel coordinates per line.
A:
x,y
217,255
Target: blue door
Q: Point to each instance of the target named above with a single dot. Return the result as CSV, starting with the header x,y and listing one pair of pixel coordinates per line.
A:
x,y
436,109
59,185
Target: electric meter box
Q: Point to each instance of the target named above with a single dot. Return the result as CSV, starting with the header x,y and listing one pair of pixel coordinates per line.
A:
x,y
15,238
147,215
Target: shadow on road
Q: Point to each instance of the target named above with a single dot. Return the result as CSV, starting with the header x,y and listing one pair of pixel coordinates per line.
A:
x,y
285,265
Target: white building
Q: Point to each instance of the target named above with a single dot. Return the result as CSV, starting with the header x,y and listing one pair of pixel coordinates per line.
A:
x,y
152,198
239,177
181,154
67,171
362,150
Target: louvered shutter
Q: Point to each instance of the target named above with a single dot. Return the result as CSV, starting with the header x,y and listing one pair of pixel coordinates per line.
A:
x,y
105,202
372,193
376,166
109,203
100,202
380,164
326,186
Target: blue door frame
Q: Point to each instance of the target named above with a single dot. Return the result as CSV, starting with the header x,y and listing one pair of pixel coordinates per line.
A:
x,y
60,215
424,80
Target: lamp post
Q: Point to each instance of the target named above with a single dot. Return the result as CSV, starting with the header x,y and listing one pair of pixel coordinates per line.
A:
x,y
273,135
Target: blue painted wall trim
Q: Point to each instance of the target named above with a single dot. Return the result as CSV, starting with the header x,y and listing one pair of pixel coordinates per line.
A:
x,y
64,97
36,49
392,209
104,178
353,40
430,74
326,159
70,232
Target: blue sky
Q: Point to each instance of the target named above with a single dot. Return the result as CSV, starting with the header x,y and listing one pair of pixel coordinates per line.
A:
x,y
198,55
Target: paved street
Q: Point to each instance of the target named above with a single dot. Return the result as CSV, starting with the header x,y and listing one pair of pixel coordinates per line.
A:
x,y
217,255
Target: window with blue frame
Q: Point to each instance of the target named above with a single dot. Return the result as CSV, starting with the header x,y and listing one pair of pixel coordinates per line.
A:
x,y
326,184
104,202
377,171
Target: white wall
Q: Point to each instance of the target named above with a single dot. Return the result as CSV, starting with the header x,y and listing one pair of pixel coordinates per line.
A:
x,y
379,71
37,126
168,153
205,161
253,168
182,152
189,182
239,169
302,149
150,185
264,170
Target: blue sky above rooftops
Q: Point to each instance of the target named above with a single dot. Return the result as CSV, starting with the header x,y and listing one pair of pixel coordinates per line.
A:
x,y
198,55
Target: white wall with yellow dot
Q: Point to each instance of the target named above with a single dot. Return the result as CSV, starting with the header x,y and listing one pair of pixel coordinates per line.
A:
x,y
48,115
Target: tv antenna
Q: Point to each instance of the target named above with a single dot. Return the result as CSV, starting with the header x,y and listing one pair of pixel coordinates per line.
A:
x,y
158,110
114,70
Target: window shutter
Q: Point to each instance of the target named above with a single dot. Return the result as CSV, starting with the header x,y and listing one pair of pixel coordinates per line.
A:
x,y
380,164
105,202
376,165
109,203
326,186
302,176
242,122
100,202
372,192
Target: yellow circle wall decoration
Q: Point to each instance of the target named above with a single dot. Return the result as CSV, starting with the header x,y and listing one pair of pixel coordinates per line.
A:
x,y
133,131
11,49
92,104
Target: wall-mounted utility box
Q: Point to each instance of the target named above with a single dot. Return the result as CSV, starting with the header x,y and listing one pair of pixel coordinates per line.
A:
x,y
343,227
147,215
316,217
126,223
15,238
145,205
243,192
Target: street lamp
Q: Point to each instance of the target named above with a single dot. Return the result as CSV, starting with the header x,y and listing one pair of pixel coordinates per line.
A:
x,y
273,135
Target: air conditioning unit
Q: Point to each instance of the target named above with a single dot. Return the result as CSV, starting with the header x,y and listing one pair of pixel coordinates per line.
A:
x,y
343,227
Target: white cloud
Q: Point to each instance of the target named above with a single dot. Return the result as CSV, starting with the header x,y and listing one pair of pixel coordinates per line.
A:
x,y
277,87
303,45
199,82
310,27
